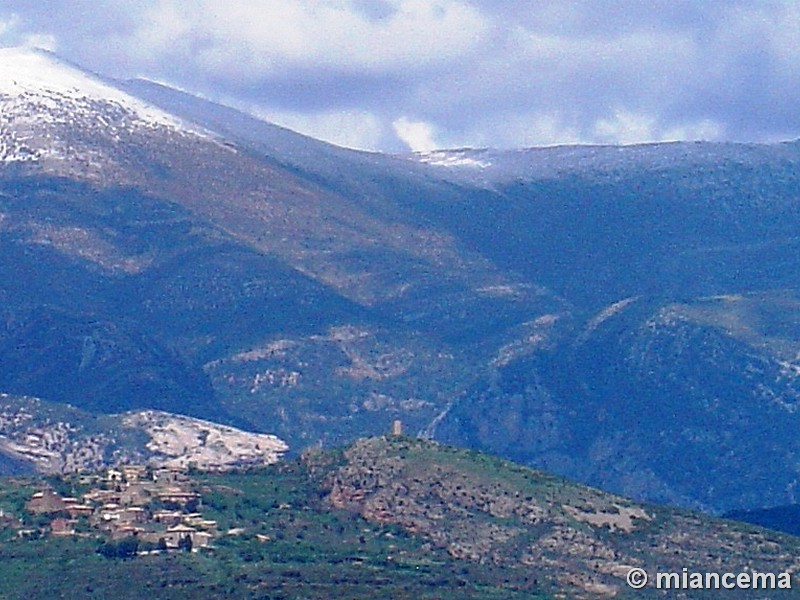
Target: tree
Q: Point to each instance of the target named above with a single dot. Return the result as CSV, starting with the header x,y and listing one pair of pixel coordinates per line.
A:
x,y
125,548
185,543
128,547
108,549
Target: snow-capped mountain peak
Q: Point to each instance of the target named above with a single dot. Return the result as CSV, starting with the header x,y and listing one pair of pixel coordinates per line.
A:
x,y
33,72
44,101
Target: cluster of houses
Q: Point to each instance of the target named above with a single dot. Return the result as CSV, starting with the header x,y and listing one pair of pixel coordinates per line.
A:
x,y
157,506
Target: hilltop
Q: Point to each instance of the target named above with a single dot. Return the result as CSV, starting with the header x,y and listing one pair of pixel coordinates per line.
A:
x,y
392,516
582,540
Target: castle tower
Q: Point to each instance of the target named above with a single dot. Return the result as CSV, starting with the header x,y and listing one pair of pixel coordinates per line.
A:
x,y
397,428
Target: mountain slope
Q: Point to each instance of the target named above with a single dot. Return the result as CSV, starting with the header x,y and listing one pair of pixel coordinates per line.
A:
x,y
692,404
392,517
201,248
580,541
598,311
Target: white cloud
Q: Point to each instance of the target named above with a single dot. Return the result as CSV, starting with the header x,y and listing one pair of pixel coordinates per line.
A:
x,y
703,130
351,129
538,129
248,39
469,72
45,41
625,128
417,135
11,33
7,25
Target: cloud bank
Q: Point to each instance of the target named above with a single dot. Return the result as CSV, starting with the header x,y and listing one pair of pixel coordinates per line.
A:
x,y
412,74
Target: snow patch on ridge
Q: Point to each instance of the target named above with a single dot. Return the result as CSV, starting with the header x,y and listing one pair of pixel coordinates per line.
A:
x,y
26,73
452,158
43,100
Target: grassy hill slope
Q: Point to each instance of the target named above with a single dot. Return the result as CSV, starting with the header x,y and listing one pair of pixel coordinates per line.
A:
x,y
397,518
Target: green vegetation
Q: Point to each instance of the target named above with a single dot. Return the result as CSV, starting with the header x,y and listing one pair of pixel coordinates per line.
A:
x,y
569,537
393,517
278,539
125,548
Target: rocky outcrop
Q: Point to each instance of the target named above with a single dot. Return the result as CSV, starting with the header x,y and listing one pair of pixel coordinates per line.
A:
x,y
178,441
489,511
49,438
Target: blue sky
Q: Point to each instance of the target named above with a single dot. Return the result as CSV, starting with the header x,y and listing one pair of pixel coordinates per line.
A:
x,y
397,74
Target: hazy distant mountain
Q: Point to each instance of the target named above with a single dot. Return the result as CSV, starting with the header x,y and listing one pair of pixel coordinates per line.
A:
x,y
622,315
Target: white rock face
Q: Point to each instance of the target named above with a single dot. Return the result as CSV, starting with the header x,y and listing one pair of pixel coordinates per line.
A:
x,y
183,441
53,438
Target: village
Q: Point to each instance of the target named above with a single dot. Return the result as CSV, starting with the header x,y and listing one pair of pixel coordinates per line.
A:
x,y
155,507
131,509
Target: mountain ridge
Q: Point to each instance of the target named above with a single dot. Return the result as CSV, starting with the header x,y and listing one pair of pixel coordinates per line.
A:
x,y
542,307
